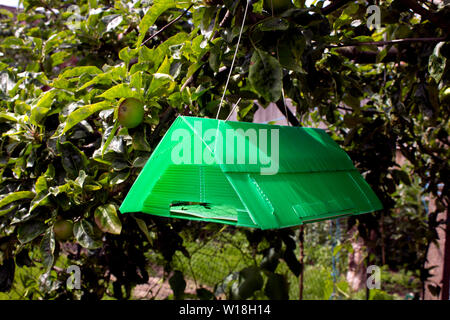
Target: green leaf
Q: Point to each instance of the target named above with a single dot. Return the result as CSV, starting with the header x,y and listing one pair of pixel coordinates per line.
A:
x,y
79,71
114,23
84,234
265,75
8,116
277,287
274,24
107,220
72,159
7,13
177,284
158,8
126,54
270,260
84,112
143,227
363,39
204,294
435,290
292,262
402,176
30,230
160,78
436,63
7,270
382,54
140,142
140,162
59,57
110,137
250,280
3,66
47,248
8,210
41,199
119,177
40,110
15,196
103,78
290,51
120,91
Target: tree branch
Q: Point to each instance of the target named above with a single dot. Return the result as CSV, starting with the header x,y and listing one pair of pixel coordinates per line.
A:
x,y
367,56
436,18
46,6
384,43
169,24
206,55
287,113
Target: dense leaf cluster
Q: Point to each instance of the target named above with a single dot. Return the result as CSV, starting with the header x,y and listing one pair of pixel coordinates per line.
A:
x,y
66,67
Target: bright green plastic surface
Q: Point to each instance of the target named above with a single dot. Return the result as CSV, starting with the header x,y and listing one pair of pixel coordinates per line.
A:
x,y
315,180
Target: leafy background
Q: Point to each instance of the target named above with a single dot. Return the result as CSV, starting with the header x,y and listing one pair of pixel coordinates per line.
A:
x,y
65,67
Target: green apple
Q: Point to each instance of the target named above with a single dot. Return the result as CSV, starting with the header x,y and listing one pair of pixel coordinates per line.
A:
x,y
63,229
277,5
131,112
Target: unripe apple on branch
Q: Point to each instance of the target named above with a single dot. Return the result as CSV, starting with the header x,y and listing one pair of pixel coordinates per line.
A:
x,y
131,113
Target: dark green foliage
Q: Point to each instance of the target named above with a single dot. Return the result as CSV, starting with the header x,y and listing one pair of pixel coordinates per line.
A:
x,y
63,153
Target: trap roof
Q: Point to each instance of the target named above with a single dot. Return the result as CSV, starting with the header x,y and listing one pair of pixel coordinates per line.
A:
x,y
248,174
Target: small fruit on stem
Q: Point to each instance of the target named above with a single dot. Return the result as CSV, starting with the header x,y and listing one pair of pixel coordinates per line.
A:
x,y
131,113
63,229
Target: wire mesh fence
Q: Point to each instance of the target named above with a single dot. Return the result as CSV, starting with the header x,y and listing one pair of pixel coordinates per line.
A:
x,y
215,255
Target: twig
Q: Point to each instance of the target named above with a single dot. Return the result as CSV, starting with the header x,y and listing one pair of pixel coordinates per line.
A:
x,y
205,56
435,17
288,114
383,43
301,260
169,24
46,6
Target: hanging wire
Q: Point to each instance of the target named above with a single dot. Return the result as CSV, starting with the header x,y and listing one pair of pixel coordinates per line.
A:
x,y
234,59
232,109
285,108
284,99
335,237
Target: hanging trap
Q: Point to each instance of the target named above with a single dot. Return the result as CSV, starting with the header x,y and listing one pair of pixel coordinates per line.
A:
x,y
248,174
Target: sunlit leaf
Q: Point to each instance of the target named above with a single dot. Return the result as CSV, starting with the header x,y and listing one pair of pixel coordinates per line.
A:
x,y
107,220
84,234
15,196
84,112
30,230
47,248
158,7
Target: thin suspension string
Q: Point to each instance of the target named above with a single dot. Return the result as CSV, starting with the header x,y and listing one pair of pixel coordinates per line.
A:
x,y
282,95
333,260
234,59
335,238
285,108
232,109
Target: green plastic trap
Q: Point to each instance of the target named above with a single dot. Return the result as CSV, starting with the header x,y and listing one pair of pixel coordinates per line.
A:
x,y
248,174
